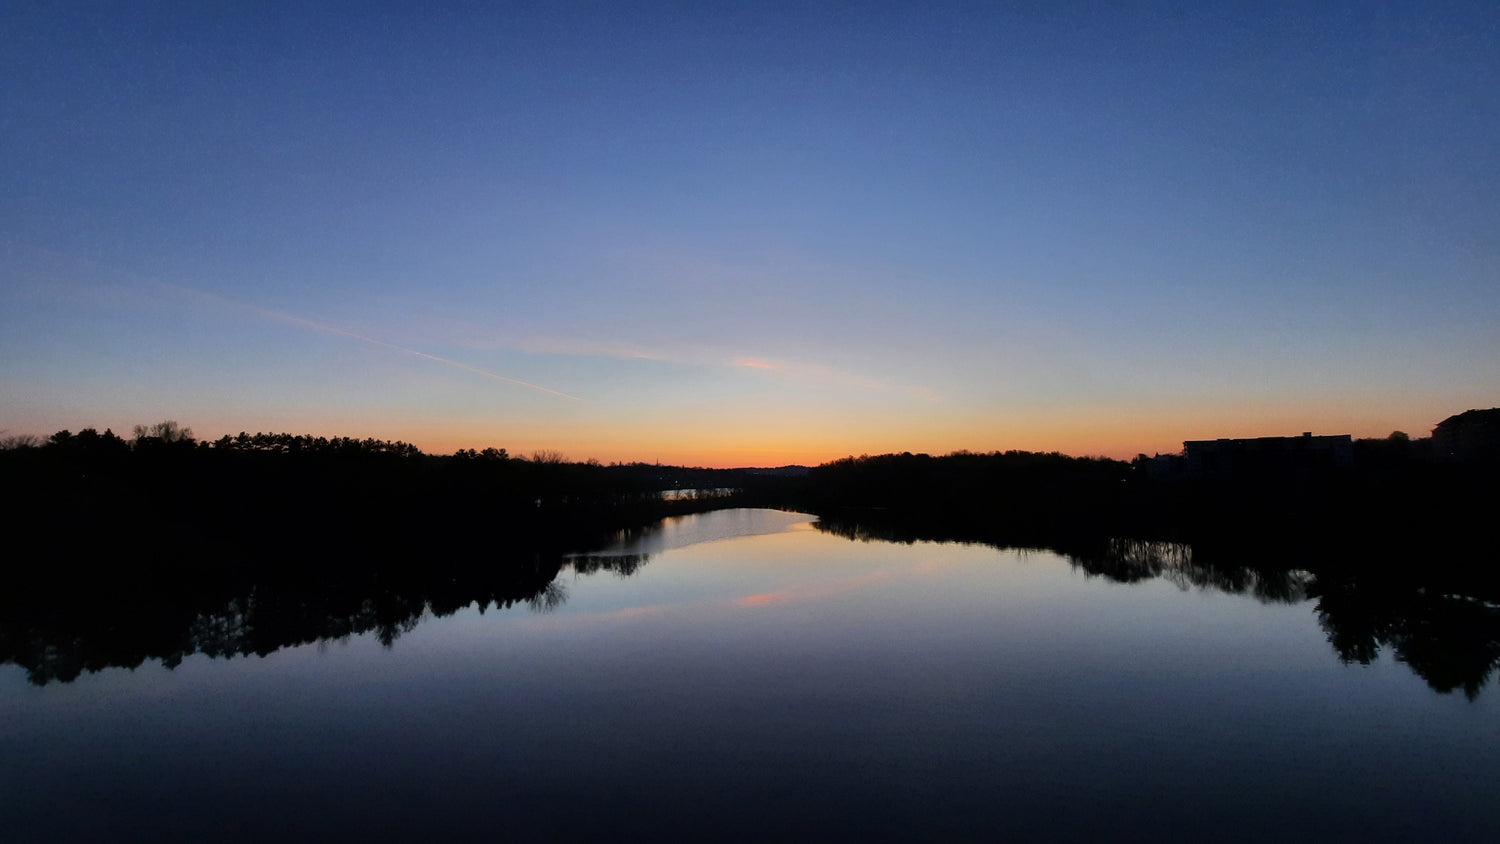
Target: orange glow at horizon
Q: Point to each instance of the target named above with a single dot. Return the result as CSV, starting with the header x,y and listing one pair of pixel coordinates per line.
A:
x,y
1121,443
776,435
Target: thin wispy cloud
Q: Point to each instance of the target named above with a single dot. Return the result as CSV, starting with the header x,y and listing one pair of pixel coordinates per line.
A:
x,y
64,274
809,371
756,363
328,328
818,373
589,348
472,335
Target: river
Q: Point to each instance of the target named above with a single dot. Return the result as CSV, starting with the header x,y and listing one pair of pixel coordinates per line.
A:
x,y
745,675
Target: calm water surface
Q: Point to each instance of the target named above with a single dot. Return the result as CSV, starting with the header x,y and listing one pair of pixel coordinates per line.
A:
x,y
756,678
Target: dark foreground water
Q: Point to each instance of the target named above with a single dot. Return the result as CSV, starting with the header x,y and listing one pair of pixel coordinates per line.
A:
x,y
753,677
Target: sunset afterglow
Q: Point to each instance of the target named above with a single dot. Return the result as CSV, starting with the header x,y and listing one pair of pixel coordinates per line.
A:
x,y
779,234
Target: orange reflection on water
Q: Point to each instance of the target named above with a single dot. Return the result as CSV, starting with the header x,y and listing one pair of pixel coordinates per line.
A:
x,y
816,591
763,598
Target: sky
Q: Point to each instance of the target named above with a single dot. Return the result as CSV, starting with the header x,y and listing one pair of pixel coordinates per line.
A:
x,y
750,234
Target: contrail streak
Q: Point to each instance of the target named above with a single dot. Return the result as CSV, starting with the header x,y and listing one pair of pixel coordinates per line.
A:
x,y
325,328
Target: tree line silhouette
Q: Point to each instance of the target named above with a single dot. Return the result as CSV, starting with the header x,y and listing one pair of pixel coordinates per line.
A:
x,y
160,545
252,542
1396,499
104,621
268,490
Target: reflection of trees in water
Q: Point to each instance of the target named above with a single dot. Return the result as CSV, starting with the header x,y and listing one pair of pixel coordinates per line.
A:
x,y
1119,559
58,625
1449,639
71,627
1133,560
549,597
623,565
167,548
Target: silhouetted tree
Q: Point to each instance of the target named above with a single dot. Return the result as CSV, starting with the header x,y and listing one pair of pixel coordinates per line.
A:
x,y
166,432
19,441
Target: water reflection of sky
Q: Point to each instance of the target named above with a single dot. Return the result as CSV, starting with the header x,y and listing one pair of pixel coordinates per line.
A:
x,y
682,531
785,682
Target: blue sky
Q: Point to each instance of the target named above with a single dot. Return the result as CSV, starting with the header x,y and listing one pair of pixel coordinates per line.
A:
x,y
754,233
